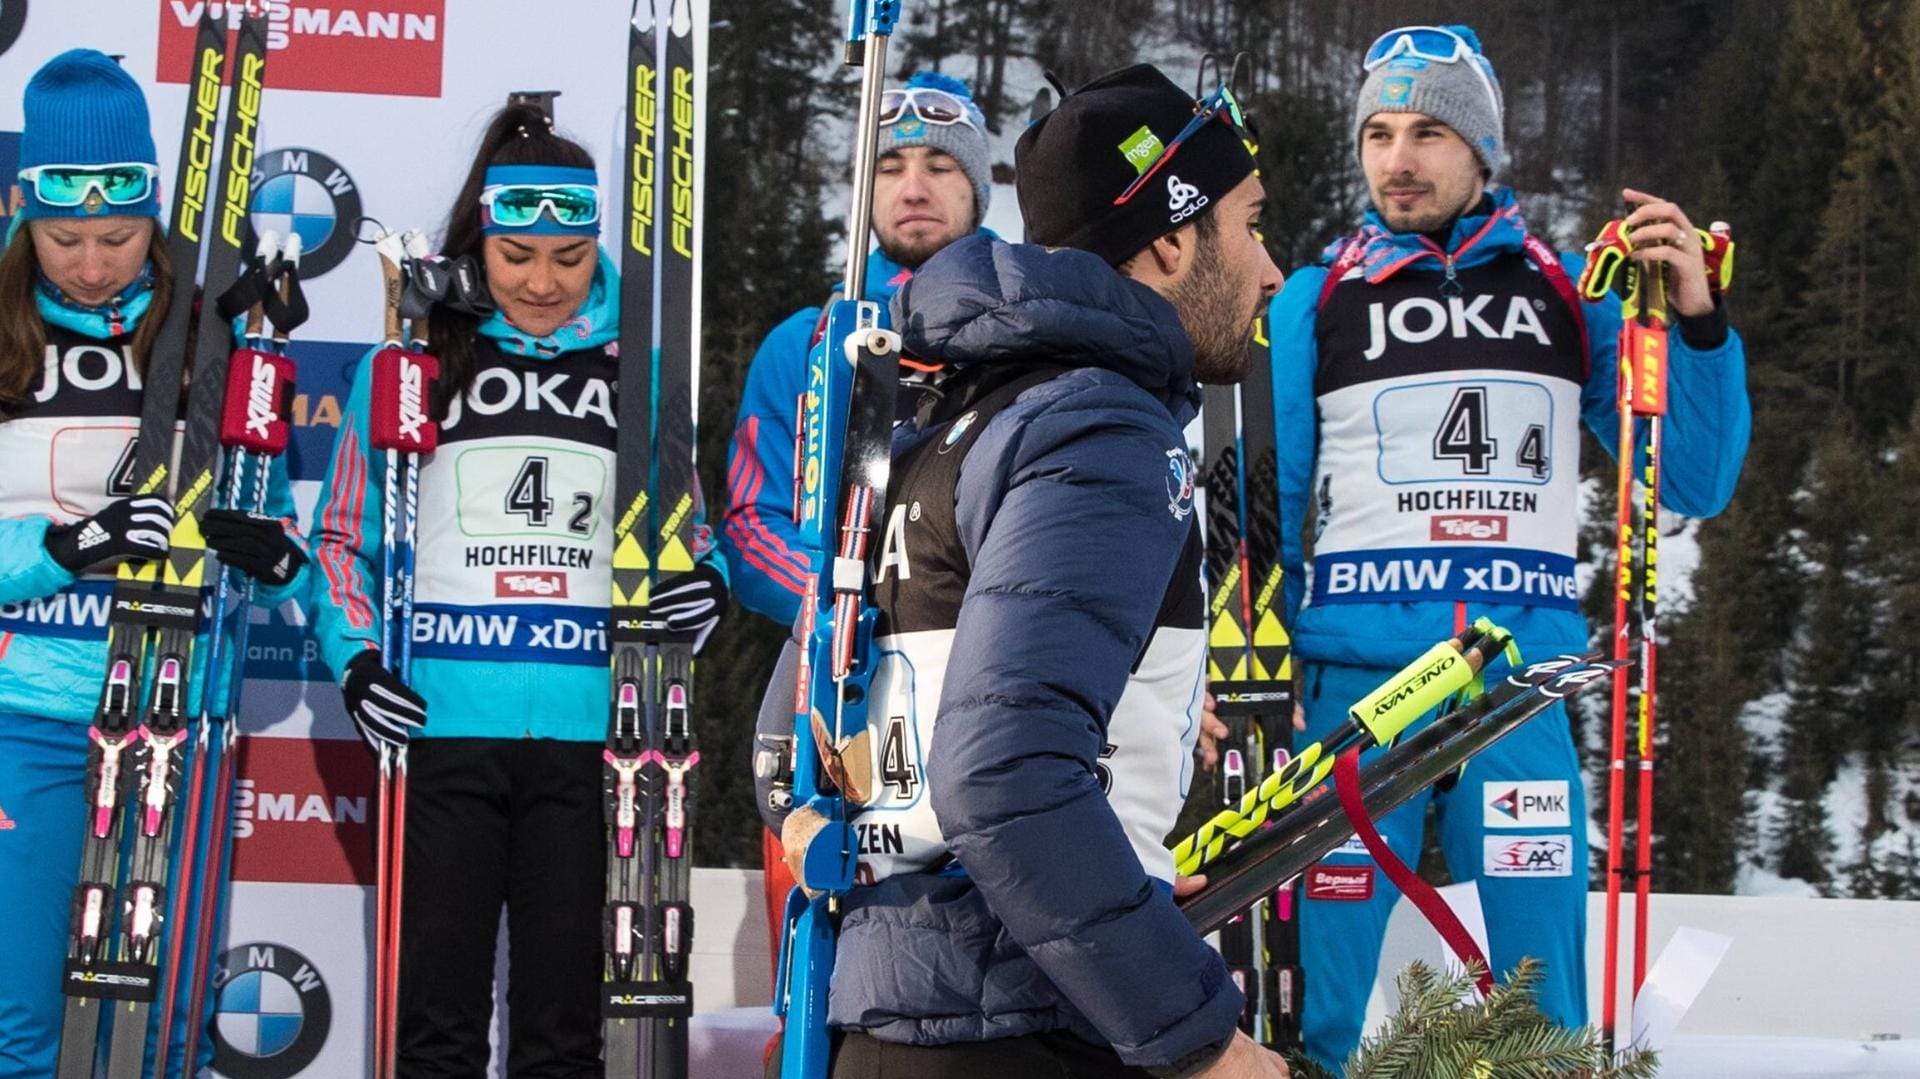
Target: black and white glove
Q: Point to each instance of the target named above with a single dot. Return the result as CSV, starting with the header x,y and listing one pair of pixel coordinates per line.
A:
x,y
383,708
255,544
126,529
691,602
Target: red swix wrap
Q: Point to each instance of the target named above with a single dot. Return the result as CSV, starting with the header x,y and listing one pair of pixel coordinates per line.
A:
x,y
259,402
402,382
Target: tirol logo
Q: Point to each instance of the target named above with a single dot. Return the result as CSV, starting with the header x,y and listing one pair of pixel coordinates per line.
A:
x,y
1340,883
297,190
530,583
1183,200
380,47
1419,319
1531,803
1179,484
13,16
1475,527
1529,856
273,1015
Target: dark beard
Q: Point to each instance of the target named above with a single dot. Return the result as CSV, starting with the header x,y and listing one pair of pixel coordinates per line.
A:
x,y
913,255
1208,302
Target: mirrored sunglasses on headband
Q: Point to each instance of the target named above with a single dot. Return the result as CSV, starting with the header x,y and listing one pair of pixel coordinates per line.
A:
x,y
520,205
120,184
1219,104
932,105
1435,44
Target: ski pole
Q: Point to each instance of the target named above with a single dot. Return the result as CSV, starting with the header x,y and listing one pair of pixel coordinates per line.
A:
x,y
254,391
287,316
401,428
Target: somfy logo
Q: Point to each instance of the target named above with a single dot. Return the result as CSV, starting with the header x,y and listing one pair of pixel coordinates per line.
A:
x,y
1183,200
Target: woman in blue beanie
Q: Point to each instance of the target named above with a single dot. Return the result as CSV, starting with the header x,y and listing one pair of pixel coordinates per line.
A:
x,y
84,281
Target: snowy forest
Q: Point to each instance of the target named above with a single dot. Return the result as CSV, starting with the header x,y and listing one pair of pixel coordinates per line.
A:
x,y
1789,701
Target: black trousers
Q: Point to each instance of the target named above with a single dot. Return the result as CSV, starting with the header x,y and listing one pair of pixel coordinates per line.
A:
x,y
491,822
1054,1055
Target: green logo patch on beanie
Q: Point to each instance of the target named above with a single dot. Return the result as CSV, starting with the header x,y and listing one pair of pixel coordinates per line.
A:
x,y
1142,148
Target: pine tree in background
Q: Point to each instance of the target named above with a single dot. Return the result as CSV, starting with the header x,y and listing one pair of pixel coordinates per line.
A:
x,y
1441,1032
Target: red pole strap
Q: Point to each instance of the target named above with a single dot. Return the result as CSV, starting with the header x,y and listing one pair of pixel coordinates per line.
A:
x,y
1346,781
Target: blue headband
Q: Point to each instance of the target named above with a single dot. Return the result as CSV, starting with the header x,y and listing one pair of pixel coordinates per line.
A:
x,y
538,176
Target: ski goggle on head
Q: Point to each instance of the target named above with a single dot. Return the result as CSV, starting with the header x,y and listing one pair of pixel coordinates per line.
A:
x,y
1218,105
932,105
1434,44
540,200
122,184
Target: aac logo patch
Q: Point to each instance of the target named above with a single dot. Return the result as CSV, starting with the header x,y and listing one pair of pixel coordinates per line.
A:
x,y
1528,856
1531,803
274,1013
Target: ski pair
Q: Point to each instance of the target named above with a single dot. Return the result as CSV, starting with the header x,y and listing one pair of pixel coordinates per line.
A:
x,y
646,998
401,428
844,445
1249,668
139,737
1642,402
1317,824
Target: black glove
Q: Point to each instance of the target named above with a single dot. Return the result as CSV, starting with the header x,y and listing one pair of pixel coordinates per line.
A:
x,y
691,602
382,707
254,544
128,528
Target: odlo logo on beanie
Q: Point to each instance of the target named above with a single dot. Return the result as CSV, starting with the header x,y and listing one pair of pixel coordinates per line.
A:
x,y
1183,200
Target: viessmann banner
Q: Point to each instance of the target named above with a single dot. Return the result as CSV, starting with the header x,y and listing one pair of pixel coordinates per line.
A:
x,y
373,110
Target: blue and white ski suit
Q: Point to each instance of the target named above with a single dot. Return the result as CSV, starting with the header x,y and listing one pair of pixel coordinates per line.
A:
x,y
1427,414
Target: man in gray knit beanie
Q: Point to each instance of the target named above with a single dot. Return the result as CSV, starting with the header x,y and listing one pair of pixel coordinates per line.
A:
x,y
1430,366
933,176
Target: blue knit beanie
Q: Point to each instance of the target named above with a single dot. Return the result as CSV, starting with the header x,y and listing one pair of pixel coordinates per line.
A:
x,y
83,109
965,143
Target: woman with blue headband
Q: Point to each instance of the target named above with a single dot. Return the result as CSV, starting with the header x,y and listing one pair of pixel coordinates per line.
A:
x,y
509,634
84,284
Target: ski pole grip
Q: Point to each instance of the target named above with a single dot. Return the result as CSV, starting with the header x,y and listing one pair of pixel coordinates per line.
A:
x,y
259,402
402,381
1417,689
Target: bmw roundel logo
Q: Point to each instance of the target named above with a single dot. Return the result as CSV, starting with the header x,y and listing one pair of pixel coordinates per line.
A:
x,y
274,1012
305,191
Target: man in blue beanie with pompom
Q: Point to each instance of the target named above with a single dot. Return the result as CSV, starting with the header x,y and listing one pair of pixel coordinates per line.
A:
x,y
1430,377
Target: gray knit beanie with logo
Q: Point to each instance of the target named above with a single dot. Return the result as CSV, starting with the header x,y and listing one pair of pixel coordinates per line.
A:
x,y
1463,94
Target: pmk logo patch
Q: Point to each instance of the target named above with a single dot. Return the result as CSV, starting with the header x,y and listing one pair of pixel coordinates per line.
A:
x,y
1533,803
1179,484
1528,856
1396,89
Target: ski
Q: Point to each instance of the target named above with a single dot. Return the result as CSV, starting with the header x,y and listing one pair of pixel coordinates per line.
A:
x,y
844,449
1316,824
140,737
651,750
1249,670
